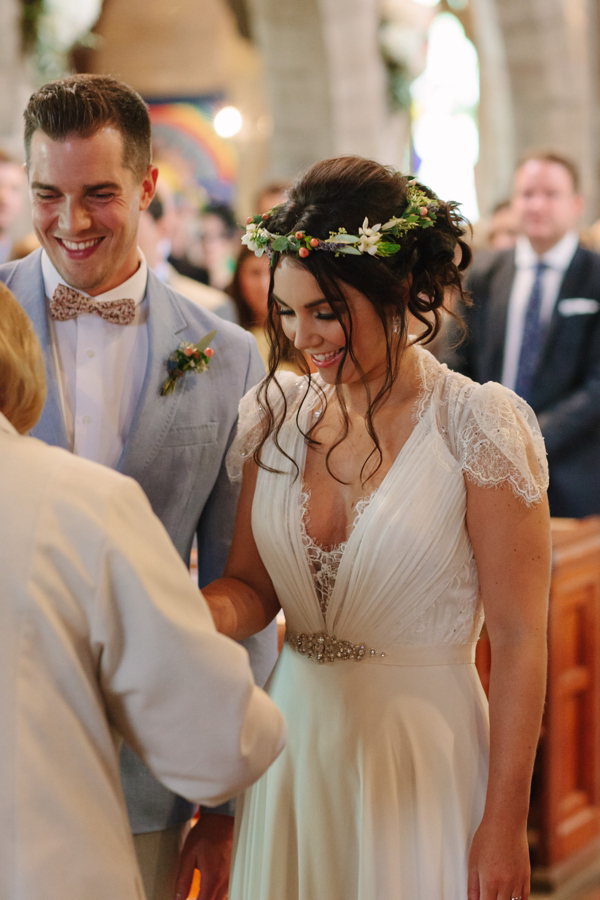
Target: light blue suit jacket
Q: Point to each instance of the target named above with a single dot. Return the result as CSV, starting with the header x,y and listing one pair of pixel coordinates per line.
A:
x,y
175,450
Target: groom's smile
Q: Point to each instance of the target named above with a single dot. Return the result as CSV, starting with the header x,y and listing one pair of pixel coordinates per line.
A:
x,y
85,207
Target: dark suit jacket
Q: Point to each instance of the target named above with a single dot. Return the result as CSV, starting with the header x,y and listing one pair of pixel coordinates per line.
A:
x,y
566,387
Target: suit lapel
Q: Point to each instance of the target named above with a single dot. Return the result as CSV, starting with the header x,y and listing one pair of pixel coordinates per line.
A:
x,y
27,284
570,287
154,413
495,329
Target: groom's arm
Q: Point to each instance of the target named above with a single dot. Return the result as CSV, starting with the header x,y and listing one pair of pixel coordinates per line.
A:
x,y
215,527
208,845
215,531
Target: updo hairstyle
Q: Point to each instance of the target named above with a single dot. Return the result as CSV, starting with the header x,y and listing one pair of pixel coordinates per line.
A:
x,y
340,193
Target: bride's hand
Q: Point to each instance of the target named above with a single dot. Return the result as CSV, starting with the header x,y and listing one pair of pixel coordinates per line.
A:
x,y
499,866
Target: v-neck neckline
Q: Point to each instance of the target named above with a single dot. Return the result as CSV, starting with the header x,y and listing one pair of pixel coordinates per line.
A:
x,y
420,408
305,489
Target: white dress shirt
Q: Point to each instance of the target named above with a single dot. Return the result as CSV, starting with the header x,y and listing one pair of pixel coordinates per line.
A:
x,y
100,368
557,260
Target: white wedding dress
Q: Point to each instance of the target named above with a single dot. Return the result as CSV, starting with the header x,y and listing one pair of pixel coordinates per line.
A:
x,y
382,783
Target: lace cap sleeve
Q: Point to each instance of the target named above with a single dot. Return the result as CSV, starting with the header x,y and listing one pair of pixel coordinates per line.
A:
x,y
251,417
498,440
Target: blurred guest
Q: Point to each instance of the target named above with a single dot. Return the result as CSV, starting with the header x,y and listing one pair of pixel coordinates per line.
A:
x,y
183,237
154,240
249,288
271,195
216,244
12,195
502,229
103,635
535,326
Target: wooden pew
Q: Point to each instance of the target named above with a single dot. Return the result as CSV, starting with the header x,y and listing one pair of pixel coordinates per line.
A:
x,y
565,809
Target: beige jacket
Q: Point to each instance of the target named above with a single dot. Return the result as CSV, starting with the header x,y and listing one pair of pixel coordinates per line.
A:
x,y
102,633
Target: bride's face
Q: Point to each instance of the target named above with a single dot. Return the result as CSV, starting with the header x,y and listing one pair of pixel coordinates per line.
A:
x,y
309,322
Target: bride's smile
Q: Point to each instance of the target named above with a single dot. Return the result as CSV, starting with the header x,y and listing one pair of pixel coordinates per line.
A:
x,y
309,322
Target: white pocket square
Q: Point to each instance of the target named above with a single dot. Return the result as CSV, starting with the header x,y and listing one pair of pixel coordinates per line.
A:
x,y
578,306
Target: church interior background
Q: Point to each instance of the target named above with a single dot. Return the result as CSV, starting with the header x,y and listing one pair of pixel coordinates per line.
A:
x,y
455,90
246,92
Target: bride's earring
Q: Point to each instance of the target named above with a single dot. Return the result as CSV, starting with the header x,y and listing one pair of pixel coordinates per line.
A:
x,y
396,324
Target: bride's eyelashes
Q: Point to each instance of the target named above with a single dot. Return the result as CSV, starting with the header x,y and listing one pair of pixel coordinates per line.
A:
x,y
323,316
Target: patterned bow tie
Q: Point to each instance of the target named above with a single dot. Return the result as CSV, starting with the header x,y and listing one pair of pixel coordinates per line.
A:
x,y
67,303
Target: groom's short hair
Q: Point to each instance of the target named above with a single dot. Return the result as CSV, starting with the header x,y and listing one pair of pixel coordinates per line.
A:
x,y
82,105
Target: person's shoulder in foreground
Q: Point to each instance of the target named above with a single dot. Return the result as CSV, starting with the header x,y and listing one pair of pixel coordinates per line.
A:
x,y
103,634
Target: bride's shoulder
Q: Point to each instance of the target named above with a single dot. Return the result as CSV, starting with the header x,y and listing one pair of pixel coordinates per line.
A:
x,y
436,375
458,394
283,389
272,400
492,432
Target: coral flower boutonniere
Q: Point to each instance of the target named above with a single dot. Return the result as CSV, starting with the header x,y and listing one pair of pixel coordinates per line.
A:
x,y
188,358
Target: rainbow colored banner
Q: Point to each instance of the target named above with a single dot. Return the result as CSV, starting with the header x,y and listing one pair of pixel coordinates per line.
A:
x,y
184,140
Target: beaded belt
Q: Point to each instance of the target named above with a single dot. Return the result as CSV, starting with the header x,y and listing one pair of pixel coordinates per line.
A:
x,y
324,647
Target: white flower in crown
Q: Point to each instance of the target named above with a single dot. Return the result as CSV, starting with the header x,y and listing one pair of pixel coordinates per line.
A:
x,y
369,238
256,238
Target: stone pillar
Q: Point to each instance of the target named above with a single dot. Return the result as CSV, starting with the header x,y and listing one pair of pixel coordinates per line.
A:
x,y
14,85
292,44
326,82
551,58
356,77
497,144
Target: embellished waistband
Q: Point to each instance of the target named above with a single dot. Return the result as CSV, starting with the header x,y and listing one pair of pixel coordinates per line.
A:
x,y
323,647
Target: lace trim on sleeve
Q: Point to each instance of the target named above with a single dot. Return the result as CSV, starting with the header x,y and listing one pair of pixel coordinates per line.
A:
x,y
251,418
498,440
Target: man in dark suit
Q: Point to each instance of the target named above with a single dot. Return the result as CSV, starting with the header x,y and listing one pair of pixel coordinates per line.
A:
x,y
535,326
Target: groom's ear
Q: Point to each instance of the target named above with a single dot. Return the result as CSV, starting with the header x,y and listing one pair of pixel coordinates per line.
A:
x,y
148,186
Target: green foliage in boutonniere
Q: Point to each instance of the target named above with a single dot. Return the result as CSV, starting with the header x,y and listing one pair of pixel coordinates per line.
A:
x,y
188,358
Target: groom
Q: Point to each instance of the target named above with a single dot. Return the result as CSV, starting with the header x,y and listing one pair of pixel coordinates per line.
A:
x,y
107,327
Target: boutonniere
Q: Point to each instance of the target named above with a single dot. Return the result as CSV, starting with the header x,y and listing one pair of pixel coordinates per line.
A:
x,y
188,358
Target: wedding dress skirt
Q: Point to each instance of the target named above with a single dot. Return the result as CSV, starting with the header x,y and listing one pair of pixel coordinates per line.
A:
x,y
382,783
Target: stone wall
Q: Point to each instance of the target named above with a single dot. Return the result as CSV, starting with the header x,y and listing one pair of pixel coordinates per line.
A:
x,y
326,82
543,90
14,83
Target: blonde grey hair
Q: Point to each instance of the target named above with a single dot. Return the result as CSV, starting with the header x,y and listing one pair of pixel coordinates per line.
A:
x,y
22,375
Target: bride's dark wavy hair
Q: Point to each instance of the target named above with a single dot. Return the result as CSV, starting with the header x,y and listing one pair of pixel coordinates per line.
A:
x,y
338,193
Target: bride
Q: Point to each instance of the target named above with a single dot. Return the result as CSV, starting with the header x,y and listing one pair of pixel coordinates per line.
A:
x,y
388,505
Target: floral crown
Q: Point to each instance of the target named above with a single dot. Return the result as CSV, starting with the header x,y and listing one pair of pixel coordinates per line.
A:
x,y
376,240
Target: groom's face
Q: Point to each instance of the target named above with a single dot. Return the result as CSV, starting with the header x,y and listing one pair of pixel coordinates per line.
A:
x,y
86,205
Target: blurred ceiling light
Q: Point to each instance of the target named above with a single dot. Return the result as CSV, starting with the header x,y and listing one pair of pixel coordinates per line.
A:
x,y
228,121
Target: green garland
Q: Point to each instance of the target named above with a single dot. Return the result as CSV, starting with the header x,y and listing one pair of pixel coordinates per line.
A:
x,y
376,240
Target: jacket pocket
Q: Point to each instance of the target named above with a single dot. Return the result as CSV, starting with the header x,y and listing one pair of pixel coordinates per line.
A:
x,y
191,435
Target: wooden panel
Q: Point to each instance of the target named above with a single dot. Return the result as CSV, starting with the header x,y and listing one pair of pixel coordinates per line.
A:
x,y
565,810
570,751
